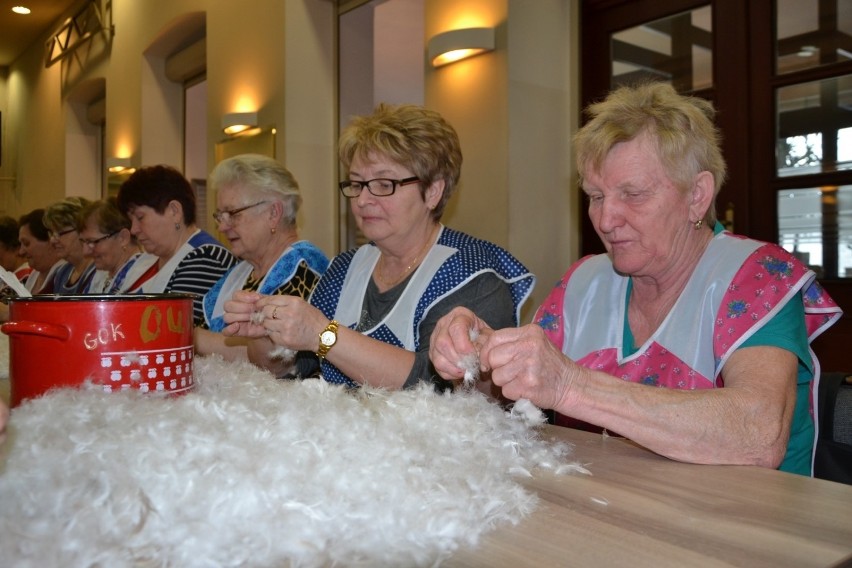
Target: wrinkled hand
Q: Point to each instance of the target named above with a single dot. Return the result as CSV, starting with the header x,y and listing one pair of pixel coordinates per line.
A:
x,y
292,322
451,342
240,315
525,364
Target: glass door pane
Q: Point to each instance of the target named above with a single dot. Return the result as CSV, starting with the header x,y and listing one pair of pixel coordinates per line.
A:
x,y
815,224
677,50
812,33
814,127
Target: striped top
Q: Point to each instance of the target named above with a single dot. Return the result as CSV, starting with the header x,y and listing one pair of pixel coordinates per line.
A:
x,y
198,272
194,269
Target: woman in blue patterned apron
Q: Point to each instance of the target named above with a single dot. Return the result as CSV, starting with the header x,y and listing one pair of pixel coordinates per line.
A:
x,y
685,338
257,200
371,316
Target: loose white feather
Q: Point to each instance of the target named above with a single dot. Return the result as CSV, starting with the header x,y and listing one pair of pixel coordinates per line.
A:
x,y
470,363
283,353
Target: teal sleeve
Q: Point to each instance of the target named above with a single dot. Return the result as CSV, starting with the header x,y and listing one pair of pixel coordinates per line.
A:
x,y
786,330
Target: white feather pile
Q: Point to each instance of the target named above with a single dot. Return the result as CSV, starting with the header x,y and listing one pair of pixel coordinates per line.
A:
x,y
250,471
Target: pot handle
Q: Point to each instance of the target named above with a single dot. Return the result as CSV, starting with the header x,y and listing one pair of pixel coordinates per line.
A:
x,y
36,328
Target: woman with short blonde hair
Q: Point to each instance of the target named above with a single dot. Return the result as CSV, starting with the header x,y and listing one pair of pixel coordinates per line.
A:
x,y
62,220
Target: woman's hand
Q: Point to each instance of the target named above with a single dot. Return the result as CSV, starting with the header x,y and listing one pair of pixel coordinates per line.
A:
x,y
525,364
241,315
292,322
289,321
457,337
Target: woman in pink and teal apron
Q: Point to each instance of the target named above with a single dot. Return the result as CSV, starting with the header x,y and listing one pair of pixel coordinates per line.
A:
x,y
685,338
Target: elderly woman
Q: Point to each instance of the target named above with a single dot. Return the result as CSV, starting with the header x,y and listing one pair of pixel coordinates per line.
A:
x,y
36,248
370,318
677,302
161,206
62,220
106,239
257,201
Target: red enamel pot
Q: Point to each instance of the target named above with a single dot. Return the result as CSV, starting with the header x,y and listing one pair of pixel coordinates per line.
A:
x,y
141,342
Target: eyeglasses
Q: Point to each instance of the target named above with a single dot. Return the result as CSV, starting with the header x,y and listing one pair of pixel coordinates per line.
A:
x,y
93,242
230,215
380,187
57,234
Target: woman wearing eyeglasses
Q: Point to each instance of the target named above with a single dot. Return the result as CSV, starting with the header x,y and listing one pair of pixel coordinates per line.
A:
x,y
62,219
257,200
371,316
106,239
161,206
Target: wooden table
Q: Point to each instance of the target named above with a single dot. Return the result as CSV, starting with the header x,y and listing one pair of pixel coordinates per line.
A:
x,y
639,509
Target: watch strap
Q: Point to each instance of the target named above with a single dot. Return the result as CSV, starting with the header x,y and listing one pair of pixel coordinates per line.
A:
x,y
324,348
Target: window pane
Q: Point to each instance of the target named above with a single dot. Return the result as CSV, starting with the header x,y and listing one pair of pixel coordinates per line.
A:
x,y
677,50
812,33
814,127
815,224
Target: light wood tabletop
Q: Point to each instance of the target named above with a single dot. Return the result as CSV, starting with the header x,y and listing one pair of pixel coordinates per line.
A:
x,y
639,509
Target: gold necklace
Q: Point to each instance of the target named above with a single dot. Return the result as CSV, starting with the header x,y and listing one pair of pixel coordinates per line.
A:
x,y
401,277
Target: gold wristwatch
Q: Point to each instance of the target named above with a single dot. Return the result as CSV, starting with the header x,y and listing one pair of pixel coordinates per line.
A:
x,y
327,339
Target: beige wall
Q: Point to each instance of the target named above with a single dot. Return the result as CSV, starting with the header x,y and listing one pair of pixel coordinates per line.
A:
x,y
514,109
543,94
251,55
34,144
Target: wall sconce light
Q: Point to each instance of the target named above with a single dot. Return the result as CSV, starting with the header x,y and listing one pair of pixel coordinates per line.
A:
x,y
455,45
237,122
120,166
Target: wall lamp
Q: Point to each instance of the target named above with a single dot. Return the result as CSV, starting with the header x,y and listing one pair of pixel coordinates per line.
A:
x,y
456,45
237,122
120,166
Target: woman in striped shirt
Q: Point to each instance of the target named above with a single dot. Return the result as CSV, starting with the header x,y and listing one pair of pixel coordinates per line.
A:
x,y
161,206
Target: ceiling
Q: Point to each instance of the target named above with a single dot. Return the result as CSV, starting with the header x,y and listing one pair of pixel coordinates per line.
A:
x,y
18,32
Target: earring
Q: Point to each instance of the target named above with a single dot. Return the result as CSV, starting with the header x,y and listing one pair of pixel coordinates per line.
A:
x,y
177,226
272,231
698,224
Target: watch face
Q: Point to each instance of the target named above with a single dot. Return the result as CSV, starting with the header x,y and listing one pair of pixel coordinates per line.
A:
x,y
328,337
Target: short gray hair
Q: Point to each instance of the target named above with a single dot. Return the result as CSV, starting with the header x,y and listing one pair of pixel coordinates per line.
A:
x,y
263,174
681,127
